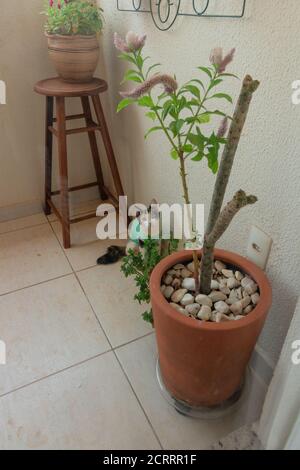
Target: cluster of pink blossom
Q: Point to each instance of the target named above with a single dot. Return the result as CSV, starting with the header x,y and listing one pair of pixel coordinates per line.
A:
x,y
51,3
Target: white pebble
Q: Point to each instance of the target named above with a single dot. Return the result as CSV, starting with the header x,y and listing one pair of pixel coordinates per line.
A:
x,y
204,300
249,285
238,275
178,294
188,283
232,282
247,310
168,280
220,317
192,309
176,283
168,291
225,290
179,309
236,308
245,301
187,299
185,273
191,267
238,317
215,296
178,266
162,288
214,285
255,298
222,307
205,313
227,273
219,265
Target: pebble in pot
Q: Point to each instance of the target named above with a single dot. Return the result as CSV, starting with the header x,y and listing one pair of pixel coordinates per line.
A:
x,y
202,299
187,299
205,313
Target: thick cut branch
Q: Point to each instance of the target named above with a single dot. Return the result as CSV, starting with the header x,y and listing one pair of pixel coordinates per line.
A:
x,y
248,88
239,201
240,114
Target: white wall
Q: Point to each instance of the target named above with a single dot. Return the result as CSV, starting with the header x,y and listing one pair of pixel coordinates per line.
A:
x,y
268,161
267,164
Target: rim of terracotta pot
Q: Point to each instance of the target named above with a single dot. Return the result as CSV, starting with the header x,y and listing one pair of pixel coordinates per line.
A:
x,y
229,257
71,36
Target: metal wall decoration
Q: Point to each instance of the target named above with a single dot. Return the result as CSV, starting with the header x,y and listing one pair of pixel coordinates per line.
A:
x,y
165,12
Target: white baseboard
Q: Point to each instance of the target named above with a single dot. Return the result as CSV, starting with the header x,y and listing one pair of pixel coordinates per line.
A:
x,y
34,207
20,210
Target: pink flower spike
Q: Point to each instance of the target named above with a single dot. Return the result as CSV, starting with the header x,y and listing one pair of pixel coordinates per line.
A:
x,y
120,44
51,3
226,61
135,42
216,56
169,83
223,127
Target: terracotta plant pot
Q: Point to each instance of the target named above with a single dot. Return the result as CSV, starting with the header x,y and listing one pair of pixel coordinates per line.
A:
x,y
75,58
203,364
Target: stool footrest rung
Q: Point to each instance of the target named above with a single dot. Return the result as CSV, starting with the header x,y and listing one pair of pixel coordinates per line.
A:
x,y
76,188
72,117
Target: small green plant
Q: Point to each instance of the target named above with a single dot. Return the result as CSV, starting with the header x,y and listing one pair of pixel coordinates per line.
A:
x,y
141,264
72,17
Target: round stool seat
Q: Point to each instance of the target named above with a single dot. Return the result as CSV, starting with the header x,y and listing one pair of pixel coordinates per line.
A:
x,y
57,87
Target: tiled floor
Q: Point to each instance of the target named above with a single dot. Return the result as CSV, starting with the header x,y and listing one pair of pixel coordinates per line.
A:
x,y
80,370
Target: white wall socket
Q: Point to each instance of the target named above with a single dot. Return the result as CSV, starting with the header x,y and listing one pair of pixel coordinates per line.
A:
x,y
259,246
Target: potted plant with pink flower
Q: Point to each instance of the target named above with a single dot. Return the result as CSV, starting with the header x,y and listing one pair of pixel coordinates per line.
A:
x,y
72,29
209,305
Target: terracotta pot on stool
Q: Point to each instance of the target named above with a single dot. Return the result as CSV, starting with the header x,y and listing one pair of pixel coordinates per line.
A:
x,y
203,363
75,58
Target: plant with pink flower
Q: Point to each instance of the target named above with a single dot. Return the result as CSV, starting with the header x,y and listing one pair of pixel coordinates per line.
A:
x,y
71,17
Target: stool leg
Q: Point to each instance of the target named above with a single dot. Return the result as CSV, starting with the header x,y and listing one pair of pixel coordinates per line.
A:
x,y
94,147
108,145
63,169
48,153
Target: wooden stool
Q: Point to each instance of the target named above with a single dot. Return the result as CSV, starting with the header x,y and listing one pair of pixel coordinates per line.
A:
x,y
56,88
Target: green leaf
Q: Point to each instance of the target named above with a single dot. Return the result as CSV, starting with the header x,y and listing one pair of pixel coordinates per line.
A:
x,y
193,90
187,148
196,80
198,157
153,129
151,115
124,103
207,71
176,126
222,95
132,75
215,83
127,57
146,101
152,67
174,154
228,75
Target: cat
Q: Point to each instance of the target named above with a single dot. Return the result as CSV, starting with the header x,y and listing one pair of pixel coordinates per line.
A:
x,y
138,232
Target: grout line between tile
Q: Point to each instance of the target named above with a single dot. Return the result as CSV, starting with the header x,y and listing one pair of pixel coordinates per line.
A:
x,y
23,228
113,350
54,373
36,284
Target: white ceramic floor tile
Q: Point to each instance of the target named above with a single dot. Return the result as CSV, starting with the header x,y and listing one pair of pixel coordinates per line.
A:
x,y
111,296
174,430
86,248
22,222
46,328
90,406
30,256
